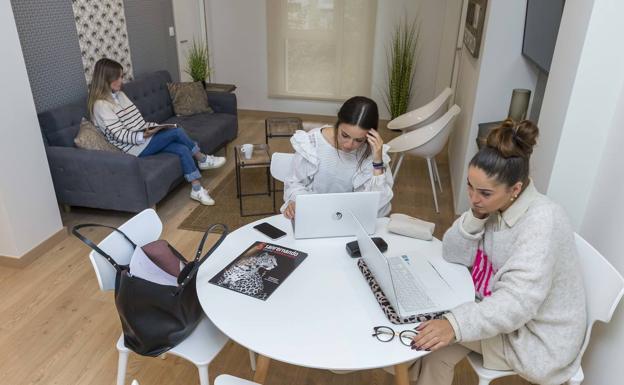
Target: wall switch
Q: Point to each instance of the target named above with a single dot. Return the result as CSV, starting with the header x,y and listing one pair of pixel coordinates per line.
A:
x,y
171,31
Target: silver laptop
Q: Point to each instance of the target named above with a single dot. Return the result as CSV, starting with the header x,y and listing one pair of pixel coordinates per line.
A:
x,y
412,283
326,215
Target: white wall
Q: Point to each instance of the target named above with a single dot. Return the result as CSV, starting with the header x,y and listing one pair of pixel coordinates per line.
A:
x,y
448,44
564,66
602,227
237,33
28,209
485,85
592,103
580,162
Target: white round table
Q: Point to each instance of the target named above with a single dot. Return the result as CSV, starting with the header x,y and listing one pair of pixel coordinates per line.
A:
x,y
323,314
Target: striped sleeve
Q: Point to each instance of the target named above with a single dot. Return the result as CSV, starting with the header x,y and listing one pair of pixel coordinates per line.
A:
x,y
123,128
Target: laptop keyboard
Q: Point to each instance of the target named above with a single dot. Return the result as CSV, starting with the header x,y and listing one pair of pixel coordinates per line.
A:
x,y
410,291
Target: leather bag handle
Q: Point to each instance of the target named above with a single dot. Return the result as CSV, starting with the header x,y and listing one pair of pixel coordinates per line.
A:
x,y
198,261
95,247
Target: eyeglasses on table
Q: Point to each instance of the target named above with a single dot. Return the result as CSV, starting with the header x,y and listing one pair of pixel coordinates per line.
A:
x,y
387,334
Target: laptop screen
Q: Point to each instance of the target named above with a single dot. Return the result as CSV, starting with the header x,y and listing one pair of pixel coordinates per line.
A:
x,y
321,215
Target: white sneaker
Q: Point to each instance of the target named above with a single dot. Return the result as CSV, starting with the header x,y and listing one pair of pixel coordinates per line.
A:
x,y
202,196
211,162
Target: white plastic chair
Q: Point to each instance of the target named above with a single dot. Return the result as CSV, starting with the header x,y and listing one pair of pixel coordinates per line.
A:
x,y
424,115
203,344
604,288
226,379
426,142
281,168
420,117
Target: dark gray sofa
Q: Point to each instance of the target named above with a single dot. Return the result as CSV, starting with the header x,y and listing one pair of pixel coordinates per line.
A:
x,y
118,181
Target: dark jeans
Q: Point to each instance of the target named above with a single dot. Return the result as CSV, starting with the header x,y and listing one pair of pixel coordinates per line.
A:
x,y
175,141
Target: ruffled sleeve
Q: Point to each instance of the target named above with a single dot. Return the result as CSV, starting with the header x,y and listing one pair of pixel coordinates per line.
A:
x,y
305,165
365,180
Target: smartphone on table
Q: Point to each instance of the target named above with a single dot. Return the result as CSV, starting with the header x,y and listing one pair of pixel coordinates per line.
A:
x,y
269,230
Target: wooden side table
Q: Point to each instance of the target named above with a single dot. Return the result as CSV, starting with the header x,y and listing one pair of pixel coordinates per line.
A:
x,y
281,127
260,157
218,87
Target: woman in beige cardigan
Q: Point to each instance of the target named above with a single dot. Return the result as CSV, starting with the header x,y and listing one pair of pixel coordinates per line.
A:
x,y
529,315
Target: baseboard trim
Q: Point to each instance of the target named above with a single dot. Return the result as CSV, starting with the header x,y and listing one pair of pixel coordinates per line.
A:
x,y
35,252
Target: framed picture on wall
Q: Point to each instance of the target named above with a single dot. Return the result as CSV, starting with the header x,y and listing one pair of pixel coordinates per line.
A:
x,y
473,31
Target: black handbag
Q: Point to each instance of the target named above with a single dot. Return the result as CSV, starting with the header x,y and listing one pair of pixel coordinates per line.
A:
x,y
154,317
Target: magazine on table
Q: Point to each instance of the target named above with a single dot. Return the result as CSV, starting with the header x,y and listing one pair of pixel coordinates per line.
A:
x,y
259,270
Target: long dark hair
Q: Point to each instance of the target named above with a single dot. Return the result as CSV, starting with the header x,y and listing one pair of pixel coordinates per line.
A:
x,y
505,157
358,111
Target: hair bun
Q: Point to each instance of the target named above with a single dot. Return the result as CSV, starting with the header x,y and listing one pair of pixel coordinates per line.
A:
x,y
512,139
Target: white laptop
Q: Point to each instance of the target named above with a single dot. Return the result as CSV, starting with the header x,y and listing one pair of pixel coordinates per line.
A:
x,y
412,283
326,215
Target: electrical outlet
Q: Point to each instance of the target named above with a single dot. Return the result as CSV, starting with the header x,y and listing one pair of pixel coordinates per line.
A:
x,y
171,31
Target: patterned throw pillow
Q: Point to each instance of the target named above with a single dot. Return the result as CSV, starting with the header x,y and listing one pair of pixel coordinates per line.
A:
x,y
188,98
90,138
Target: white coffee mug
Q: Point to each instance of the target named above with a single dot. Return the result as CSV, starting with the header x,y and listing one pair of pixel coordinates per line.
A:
x,y
247,150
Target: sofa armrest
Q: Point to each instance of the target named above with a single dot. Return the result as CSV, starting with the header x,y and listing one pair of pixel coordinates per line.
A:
x,y
224,102
94,178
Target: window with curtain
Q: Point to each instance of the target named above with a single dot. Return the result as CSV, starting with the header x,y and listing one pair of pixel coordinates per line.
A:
x,y
320,49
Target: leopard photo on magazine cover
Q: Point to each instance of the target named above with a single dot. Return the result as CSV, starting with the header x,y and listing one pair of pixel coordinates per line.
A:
x,y
259,270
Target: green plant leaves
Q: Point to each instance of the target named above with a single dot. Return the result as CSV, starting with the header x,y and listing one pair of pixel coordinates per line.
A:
x,y
197,64
401,59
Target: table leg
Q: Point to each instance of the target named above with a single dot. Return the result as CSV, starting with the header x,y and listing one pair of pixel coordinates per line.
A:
x,y
401,375
274,192
262,368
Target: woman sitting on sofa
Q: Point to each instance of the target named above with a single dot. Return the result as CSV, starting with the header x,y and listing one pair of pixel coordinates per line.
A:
x,y
124,127
348,156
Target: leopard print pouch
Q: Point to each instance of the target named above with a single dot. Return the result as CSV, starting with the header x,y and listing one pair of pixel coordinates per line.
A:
x,y
388,310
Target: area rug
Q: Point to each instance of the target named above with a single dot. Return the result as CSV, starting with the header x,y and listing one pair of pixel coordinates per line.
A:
x,y
412,196
226,210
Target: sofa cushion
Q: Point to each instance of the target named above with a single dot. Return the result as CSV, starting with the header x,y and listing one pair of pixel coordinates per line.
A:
x,y
211,131
90,138
59,126
188,98
151,96
161,173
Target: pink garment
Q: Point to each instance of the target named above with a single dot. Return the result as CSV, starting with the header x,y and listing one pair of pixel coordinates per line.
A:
x,y
482,271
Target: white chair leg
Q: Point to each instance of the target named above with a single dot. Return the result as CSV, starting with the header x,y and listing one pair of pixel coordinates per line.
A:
x,y
252,360
577,378
395,172
433,187
437,174
122,365
203,374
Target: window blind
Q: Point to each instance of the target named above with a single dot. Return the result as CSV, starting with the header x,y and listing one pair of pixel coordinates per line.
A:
x,y
320,49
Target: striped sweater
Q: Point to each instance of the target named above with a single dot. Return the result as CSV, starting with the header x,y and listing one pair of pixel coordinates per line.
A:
x,y
121,123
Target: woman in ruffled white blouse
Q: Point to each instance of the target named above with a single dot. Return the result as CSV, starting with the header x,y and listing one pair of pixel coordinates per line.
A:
x,y
349,156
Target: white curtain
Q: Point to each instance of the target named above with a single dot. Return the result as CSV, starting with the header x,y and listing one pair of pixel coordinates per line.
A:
x,y
320,49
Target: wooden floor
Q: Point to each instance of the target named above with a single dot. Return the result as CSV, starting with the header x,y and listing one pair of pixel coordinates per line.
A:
x,y
56,327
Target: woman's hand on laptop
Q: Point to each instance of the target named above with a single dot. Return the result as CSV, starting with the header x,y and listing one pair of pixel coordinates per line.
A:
x,y
289,212
433,335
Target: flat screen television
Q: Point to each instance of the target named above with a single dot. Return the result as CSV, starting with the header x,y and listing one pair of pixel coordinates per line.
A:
x,y
540,31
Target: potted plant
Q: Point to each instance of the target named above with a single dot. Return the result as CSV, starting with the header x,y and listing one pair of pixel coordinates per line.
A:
x,y
401,59
197,62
